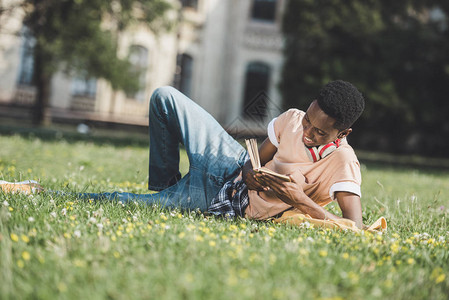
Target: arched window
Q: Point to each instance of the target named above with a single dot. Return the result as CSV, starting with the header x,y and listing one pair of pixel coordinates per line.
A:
x,y
185,82
190,3
264,10
257,81
26,58
138,56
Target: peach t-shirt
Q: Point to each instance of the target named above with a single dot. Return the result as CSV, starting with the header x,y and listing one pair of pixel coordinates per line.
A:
x,y
337,172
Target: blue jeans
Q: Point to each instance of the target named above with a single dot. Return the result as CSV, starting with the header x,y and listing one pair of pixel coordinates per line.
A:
x,y
214,156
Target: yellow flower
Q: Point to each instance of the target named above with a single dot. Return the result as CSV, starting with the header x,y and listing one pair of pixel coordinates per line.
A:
x,y
181,235
438,275
440,278
26,255
212,243
20,263
116,254
323,253
410,261
345,255
24,238
14,237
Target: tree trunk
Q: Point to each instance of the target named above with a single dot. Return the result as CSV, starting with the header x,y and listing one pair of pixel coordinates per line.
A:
x,y
42,81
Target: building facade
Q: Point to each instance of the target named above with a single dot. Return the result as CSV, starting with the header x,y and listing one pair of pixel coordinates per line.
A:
x,y
225,55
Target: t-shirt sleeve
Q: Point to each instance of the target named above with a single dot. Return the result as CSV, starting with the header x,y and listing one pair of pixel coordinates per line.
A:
x,y
347,179
277,126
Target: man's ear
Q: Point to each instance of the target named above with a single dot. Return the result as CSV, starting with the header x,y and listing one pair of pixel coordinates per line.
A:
x,y
344,133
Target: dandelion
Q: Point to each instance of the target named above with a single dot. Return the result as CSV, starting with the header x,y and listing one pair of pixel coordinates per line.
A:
x,y
322,253
438,275
212,243
26,255
410,261
345,255
181,235
20,264
24,238
440,278
14,237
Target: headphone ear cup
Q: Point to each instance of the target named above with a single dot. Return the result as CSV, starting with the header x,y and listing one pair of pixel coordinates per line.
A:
x,y
325,150
313,154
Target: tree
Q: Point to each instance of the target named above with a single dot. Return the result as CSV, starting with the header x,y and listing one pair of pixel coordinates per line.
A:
x,y
395,52
81,36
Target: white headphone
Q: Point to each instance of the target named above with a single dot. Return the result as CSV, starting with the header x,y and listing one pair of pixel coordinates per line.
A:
x,y
317,153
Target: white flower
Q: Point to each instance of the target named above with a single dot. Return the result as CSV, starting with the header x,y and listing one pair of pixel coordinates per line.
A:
x,y
30,219
92,220
77,233
53,214
64,211
5,203
52,201
98,213
100,226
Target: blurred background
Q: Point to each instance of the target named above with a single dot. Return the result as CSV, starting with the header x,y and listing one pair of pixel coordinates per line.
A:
x,y
94,64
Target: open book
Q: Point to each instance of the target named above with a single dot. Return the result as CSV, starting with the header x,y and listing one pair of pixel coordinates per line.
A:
x,y
253,152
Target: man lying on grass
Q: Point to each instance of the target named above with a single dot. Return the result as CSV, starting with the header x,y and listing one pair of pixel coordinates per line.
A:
x,y
310,147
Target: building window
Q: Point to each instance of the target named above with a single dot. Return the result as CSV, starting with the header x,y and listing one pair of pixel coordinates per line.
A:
x,y
138,56
26,58
255,99
84,87
190,3
185,82
264,10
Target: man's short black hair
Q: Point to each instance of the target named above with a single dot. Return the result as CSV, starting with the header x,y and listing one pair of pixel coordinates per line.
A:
x,y
342,101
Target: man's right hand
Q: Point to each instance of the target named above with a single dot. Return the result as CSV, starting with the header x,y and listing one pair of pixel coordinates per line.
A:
x,y
249,178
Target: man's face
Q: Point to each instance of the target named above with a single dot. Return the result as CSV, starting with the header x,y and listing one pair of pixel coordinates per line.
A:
x,y
319,127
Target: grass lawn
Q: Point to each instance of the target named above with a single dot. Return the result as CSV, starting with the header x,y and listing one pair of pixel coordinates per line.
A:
x,y
61,247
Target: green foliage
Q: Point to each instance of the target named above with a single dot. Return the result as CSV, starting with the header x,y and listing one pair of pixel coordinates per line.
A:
x,y
82,35
395,53
62,247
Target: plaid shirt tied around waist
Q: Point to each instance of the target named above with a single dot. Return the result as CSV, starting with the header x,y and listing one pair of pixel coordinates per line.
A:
x,y
231,200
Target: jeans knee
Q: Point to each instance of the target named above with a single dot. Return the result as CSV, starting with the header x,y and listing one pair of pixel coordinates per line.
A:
x,y
162,93
160,97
